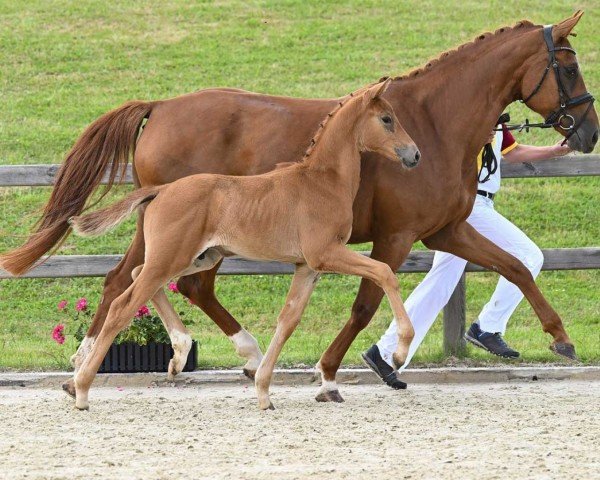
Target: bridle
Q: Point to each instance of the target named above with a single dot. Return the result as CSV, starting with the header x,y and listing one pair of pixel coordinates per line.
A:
x,y
558,117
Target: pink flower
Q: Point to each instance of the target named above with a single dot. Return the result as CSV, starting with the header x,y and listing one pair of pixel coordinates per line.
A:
x,y
81,305
142,311
62,305
58,334
173,287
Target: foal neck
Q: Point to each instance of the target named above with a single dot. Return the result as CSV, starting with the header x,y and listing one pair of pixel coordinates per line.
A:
x,y
336,145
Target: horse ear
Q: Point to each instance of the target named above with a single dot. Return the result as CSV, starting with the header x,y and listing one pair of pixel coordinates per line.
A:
x,y
377,90
563,29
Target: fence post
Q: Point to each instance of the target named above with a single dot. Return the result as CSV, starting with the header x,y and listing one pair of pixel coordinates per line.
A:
x,y
454,321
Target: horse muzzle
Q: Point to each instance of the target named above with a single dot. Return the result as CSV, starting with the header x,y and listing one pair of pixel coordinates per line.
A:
x,y
584,139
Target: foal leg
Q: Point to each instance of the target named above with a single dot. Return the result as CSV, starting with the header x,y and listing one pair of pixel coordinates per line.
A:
x,y
340,259
117,280
464,241
367,301
200,289
119,316
181,340
303,284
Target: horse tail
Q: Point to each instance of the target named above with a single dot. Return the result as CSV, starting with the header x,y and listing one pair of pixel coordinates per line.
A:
x,y
103,148
100,221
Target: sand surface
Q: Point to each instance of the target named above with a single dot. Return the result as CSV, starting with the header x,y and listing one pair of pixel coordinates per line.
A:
x,y
528,430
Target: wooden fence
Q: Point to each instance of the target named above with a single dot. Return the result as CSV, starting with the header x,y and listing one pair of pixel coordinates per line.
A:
x,y
418,261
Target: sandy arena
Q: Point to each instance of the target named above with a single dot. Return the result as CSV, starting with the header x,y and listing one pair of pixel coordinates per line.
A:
x,y
533,430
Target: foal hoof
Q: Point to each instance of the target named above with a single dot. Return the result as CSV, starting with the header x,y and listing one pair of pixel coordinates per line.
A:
x,y
249,373
82,405
69,388
270,406
566,350
329,396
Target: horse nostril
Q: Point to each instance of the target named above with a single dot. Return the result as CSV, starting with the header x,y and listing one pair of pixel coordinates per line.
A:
x,y
417,156
595,138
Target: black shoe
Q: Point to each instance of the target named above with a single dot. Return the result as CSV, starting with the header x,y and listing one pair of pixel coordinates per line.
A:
x,y
373,360
492,342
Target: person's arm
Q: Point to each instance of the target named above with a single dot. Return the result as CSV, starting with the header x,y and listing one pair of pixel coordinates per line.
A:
x,y
530,153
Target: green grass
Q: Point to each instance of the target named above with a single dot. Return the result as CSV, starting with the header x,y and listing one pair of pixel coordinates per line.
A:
x,y
66,63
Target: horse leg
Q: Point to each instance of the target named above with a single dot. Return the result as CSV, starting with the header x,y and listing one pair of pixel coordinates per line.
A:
x,y
463,240
303,284
340,259
181,340
120,313
117,280
200,289
367,301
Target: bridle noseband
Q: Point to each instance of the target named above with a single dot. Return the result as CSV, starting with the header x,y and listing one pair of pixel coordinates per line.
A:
x,y
558,116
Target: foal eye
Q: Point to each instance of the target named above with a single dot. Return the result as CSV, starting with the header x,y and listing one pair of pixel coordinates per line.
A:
x,y
387,120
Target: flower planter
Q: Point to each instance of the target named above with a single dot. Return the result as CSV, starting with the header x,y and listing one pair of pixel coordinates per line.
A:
x,y
152,357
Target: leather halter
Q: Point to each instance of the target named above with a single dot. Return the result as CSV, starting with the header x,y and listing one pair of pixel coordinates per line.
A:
x,y
558,116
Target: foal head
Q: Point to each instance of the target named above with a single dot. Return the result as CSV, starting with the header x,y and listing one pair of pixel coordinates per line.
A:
x,y
380,131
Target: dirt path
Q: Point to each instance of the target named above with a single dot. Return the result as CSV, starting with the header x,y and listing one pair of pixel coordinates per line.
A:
x,y
518,430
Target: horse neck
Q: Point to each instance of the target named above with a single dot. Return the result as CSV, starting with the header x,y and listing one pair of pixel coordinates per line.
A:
x,y
454,108
337,149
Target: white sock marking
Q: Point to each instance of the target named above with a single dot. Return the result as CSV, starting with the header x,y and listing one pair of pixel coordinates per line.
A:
x,y
246,346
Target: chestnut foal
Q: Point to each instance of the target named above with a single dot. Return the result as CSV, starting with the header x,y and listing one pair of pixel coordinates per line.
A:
x,y
300,214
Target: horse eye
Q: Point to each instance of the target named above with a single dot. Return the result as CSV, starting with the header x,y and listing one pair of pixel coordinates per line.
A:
x,y
387,120
572,72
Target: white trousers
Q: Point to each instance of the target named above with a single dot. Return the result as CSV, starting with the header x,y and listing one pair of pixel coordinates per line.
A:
x,y
431,295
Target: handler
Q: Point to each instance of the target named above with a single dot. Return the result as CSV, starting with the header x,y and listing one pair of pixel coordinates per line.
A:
x,y
432,294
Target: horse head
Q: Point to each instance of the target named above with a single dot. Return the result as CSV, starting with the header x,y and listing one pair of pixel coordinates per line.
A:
x,y
553,86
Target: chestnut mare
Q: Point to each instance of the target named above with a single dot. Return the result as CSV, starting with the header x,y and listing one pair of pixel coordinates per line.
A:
x,y
448,107
301,214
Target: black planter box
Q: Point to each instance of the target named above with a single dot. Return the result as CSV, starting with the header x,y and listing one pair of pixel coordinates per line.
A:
x,y
152,357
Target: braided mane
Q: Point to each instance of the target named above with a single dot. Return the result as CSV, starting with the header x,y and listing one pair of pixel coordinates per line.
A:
x,y
331,114
523,24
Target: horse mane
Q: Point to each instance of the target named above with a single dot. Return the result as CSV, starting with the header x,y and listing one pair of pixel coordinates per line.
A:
x,y
341,102
523,24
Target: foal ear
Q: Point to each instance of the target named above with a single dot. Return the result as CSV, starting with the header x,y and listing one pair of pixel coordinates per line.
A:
x,y
377,90
563,29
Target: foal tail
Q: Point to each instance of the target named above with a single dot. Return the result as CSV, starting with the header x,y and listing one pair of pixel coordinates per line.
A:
x,y
103,149
100,221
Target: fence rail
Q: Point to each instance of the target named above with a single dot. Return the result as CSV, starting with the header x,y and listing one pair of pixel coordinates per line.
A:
x,y
65,266
569,166
62,266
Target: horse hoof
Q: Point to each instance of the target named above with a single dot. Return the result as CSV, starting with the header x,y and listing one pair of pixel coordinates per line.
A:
x,y
270,406
83,409
329,396
249,373
69,388
566,350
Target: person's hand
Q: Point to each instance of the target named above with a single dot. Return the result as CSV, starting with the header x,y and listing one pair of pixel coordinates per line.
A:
x,y
559,149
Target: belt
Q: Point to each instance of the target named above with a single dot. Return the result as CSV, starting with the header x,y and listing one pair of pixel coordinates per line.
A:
x,y
483,193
